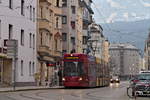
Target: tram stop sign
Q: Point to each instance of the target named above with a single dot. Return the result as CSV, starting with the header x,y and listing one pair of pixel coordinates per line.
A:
x,y
12,48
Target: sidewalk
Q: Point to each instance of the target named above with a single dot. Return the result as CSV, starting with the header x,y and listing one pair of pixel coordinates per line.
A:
x,y
27,88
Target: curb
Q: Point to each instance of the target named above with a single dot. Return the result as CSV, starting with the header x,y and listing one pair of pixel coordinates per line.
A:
x,y
29,89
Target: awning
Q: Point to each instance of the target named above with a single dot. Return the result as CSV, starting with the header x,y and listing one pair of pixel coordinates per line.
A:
x,y
2,55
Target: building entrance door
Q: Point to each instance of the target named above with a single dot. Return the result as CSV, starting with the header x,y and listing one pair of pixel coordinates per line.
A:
x,y
1,70
0,74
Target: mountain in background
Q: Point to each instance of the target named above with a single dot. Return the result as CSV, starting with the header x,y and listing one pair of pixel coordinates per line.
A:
x,y
128,32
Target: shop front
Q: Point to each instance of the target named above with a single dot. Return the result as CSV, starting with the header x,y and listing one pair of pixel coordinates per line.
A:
x,y
46,67
5,70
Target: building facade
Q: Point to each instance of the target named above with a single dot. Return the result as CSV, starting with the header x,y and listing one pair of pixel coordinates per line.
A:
x,y
96,40
98,46
76,18
18,21
124,59
87,21
49,40
147,53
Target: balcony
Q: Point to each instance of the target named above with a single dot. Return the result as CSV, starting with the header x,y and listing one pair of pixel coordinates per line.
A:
x,y
44,50
84,4
57,53
44,24
48,1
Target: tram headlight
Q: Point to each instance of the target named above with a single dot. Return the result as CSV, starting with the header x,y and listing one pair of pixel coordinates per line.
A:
x,y
80,79
63,79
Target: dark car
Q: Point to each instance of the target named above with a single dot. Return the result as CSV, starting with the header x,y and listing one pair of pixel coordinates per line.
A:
x,y
141,84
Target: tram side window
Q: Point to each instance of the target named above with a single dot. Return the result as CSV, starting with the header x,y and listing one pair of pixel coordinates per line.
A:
x,y
89,69
80,68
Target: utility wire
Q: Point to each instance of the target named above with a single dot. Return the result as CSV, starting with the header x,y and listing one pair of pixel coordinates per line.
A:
x,y
99,12
114,30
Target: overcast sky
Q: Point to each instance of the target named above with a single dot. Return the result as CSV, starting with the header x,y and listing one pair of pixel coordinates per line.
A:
x,y
121,10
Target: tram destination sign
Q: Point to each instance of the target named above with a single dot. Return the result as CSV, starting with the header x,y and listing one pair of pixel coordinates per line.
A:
x,y
72,58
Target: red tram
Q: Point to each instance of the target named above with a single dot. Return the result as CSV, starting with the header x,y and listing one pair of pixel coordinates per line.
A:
x,y
81,70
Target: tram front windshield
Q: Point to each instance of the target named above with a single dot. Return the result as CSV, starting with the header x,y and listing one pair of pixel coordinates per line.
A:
x,y
73,68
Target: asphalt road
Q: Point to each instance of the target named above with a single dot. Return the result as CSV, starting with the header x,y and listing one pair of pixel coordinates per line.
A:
x,y
113,92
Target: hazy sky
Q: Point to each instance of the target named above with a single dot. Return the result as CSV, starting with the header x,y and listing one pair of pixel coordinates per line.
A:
x,y
121,10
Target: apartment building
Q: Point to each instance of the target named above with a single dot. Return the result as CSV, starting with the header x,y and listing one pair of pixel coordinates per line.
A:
x,y
49,40
18,21
147,53
98,46
76,18
96,40
125,59
87,21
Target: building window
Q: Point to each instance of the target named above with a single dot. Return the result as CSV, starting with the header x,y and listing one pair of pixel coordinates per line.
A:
x,y
64,36
64,19
30,12
84,39
85,26
73,24
41,12
50,13
22,37
0,28
56,42
57,22
22,7
41,38
50,41
64,4
30,72
73,40
30,40
57,3
10,4
33,41
33,14
33,68
47,39
73,8
10,31
64,51
21,67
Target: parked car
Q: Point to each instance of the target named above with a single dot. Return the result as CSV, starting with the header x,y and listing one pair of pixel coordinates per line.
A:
x,y
141,84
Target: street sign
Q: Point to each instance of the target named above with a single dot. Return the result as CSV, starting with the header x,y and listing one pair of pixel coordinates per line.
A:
x,y
12,43
12,51
12,48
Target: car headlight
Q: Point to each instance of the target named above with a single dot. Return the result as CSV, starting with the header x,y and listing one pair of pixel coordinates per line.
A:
x,y
63,79
117,79
80,79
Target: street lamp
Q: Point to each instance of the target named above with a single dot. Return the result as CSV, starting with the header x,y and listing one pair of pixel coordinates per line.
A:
x,y
93,45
